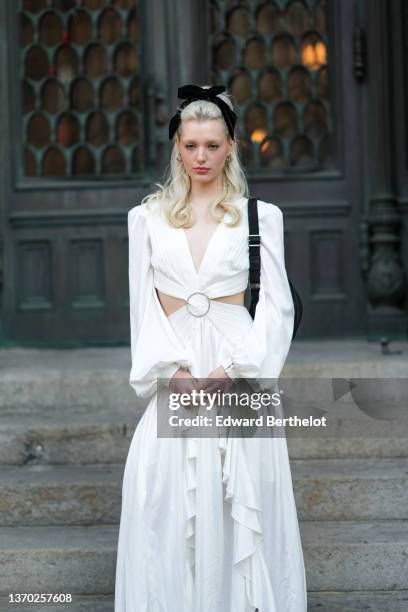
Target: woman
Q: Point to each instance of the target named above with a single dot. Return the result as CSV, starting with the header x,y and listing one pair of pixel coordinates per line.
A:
x,y
208,524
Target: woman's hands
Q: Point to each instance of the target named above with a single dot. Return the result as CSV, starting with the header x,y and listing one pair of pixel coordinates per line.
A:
x,y
182,382
217,380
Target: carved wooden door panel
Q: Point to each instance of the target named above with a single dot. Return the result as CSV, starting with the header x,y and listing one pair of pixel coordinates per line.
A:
x,y
80,145
290,66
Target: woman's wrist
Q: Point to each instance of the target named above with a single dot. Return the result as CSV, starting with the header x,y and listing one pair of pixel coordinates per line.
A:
x,y
229,369
172,370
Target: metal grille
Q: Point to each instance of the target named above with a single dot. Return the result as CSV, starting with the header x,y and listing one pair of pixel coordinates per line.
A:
x,y
272,57
81,88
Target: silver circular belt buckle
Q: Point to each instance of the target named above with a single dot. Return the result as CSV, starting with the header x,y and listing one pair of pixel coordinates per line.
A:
x,y
188,305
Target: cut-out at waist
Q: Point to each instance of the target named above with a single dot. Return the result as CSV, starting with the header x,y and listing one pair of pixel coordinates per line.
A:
x,y
215,286
171,304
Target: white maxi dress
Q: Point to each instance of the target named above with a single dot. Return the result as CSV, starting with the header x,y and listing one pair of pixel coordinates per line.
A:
x,y
207,524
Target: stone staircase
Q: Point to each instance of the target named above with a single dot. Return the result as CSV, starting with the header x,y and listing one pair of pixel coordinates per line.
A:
x,y
67,419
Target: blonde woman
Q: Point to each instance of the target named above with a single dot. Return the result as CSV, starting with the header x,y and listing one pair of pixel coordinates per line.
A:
x,y
208,524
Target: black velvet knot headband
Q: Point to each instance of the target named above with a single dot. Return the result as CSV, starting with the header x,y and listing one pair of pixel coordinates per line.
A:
x,y
190,93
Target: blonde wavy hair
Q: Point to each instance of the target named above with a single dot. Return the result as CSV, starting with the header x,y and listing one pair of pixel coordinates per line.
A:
x,y
173,195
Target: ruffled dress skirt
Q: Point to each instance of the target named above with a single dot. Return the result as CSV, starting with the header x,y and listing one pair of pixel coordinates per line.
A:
x,y
208,524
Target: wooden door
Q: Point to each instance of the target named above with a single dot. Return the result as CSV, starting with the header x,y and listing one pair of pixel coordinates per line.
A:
x,y
82,139
290,65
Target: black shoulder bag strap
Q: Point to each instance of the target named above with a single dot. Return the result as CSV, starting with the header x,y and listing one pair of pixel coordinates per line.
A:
x,y
254,241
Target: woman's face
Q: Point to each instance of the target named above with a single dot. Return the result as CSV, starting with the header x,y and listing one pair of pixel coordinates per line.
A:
x,y
203,147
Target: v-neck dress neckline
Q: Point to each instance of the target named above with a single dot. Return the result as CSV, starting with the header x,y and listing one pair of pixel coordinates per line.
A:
x,y
207,248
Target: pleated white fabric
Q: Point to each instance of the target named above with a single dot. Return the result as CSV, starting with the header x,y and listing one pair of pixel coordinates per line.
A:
x,y
207,524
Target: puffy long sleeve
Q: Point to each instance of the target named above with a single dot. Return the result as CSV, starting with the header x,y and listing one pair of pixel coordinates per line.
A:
x,y
155,349
262,350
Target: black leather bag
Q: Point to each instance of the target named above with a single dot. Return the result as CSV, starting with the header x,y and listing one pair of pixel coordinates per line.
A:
x,y
254,240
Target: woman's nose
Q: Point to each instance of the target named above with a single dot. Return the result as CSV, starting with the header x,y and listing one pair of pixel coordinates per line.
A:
x,y
201,154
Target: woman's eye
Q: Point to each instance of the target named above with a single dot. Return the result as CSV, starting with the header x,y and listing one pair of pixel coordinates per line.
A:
x,y
213,146
189,146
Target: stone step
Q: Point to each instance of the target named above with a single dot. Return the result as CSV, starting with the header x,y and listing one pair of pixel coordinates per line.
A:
x,y
35,380
358,601
331,448
339,556
67,438
103,435
76,560
351,489
60,495
77,604
335,489
355,555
